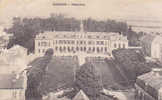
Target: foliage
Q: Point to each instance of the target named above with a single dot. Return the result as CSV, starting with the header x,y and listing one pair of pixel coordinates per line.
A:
x,y
88,79
133,63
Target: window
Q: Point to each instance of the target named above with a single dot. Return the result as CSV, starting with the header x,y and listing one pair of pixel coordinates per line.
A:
x,y
100,42
43,43
56,48
68,49
38,43
84,48
115,45
39,51
72,48
65,42
89,49
105,49
89,42
93,49
60,49
81,42
60,41
72,42
98,50
119,45
123,45
77,48
43,51
64,48
101,49
81,49
77,42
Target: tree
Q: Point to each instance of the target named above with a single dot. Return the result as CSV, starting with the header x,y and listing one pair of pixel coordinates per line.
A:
x,y
88,79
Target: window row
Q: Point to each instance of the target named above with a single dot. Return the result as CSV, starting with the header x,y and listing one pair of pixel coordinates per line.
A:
x,y
77,49
43,43
119,45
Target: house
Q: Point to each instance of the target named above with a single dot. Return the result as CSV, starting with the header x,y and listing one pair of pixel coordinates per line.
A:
x,y
12,86
149,86
13,59
152,46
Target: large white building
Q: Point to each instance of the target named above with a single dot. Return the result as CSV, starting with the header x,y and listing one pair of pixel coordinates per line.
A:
x,y
65,43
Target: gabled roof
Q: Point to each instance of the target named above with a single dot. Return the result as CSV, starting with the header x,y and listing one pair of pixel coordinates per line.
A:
x,y
81,96
9,81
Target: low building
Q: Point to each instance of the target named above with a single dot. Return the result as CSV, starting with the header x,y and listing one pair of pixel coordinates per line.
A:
x,y
12,87
149,86
13,59
4,40
152,46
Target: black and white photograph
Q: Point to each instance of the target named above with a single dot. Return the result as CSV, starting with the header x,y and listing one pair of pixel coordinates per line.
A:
x,y
80,49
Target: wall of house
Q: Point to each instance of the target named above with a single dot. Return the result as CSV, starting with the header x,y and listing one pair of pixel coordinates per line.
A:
x,y
140,94
12,94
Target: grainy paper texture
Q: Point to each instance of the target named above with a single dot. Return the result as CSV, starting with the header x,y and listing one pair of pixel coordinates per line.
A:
x,y
80,50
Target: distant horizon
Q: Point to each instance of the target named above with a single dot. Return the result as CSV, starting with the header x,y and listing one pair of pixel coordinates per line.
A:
x,y
139,11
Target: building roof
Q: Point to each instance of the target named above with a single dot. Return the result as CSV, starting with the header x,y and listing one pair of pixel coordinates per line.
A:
x,y
153,79
83,35
157,39
148,39
9,81
80,96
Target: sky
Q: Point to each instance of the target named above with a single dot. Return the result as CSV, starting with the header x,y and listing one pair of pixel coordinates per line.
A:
x,y
97,9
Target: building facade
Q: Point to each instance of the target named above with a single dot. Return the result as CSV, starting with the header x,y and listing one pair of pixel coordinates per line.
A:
x,y
152,46
12,86
73,43
149,86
